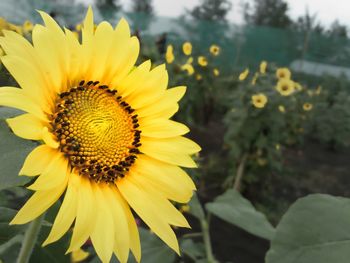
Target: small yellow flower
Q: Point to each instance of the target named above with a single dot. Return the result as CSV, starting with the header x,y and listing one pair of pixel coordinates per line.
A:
x,y
169,55
298,86
281,108
283,73
78,255
27,27
214,50
198,77
262,161
255,78
189,60
259,100
202,61
318,90
216,72
187,48
278,147
285,87
307,106
189,68
263,66
184,208
243,75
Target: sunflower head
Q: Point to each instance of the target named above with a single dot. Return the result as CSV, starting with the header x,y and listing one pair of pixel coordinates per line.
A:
x,y
214,50
281,108
106,141
307,106
202,61
187,48
262,67
283,73
244,74
285,87
216,72
259,100
169,54
188,68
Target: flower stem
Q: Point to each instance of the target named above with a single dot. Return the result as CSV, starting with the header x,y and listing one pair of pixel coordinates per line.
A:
x,y
240,172
206,239
30,237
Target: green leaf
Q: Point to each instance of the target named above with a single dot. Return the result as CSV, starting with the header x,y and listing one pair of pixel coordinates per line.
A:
x,y
193,250
316,228
13,151
235,209
7,232
196,207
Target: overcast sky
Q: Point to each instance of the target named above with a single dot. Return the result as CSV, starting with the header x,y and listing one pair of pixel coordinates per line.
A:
x,y
327,10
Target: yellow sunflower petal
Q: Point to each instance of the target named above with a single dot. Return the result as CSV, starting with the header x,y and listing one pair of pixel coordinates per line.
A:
x,y
131,83
148,213
54,174
122,239
168,212
134,237
49,139
174,150
102,236
65,216
37,160
16,98
37,204
85,219
166,106
168,179
101,50
54,62
27,126
162,128
154,86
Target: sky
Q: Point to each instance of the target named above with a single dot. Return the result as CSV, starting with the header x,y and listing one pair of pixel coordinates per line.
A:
x,y
325,10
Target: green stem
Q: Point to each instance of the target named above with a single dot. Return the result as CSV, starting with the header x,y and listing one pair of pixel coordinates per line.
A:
x,y
206,239
240,172
30,237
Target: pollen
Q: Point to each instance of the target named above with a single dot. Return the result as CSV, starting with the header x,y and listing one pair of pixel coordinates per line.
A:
x,y
97,131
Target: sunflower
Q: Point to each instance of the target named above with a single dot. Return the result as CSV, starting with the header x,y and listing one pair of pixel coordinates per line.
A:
x,y
107,142
307,106
283,73
216,72
214,50
263,66
285,87
169,55
189,68
187,48
259,100
244,74
202,61
281,108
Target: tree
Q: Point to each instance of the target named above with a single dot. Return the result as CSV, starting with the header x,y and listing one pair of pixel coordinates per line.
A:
x,y
308,23
108,8
337,30
142,6
212,10
271,13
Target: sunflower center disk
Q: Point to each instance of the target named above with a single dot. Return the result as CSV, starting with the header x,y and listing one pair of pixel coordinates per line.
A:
x,y
97,131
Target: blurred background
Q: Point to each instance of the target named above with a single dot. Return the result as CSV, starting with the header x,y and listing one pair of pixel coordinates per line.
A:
x,y
267,97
